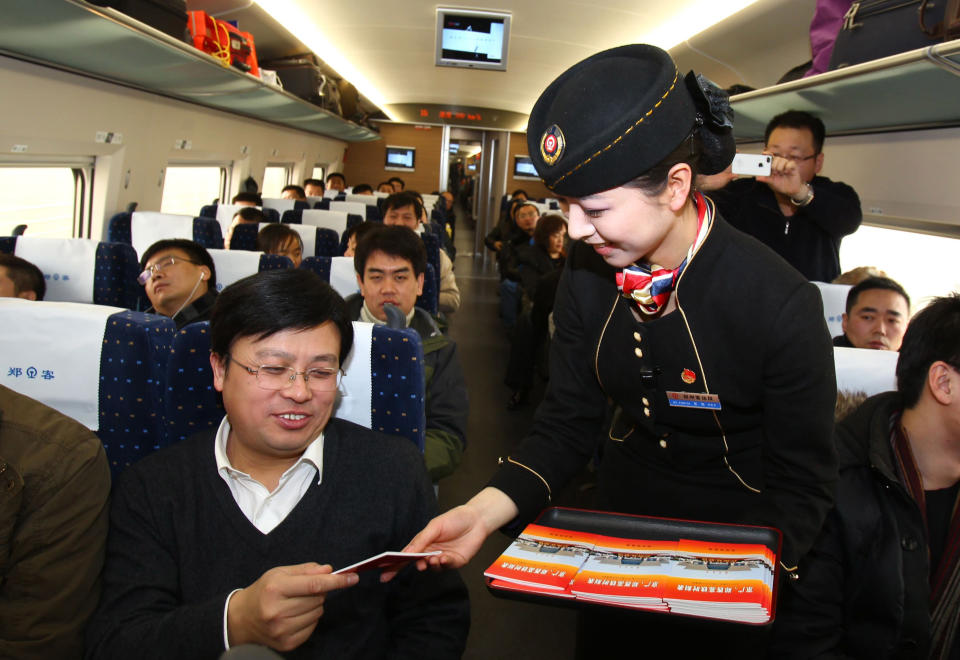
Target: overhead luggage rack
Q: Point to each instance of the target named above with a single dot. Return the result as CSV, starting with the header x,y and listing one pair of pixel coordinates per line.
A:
x,y
911,90
109,45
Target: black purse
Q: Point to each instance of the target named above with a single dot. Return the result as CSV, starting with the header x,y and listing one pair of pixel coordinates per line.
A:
x,y
877,28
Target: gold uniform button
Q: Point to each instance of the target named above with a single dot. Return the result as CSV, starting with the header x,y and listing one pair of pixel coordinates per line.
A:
x,y
663,444
645,401
638,352
637,336
646,411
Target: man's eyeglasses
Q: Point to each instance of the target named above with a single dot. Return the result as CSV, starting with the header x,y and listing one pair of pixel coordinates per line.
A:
x,y
795,159
160,266
276,377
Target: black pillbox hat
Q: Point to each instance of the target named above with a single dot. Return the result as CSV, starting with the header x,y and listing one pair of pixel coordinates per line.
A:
x,y
613,116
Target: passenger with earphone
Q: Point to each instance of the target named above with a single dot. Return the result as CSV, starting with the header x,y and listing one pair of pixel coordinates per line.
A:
x,y
179,279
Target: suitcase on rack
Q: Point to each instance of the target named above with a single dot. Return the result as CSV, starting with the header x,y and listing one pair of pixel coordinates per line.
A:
x,y
873,29
169,16
310,84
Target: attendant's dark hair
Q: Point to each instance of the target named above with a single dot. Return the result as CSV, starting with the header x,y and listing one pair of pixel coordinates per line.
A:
x,y
252,197
24,275
337,175
361,188
250,214
402,200
654,181
274,236
933,334
547,226
871,283
264,304
194,251
394,241
798,119
295,188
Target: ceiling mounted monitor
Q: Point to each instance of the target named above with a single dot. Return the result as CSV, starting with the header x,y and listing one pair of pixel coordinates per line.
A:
x,y
472,39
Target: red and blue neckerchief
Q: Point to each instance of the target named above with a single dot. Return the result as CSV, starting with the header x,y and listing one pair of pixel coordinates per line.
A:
x,y
650,285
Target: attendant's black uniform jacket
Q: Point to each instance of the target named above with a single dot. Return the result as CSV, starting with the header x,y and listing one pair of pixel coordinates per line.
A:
x,y
749,329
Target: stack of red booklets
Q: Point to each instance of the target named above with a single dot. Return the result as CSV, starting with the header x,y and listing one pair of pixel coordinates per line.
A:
x,y
706,578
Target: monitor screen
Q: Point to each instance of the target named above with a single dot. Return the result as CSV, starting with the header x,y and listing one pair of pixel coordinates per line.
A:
x,y
400,158
523,168
472,39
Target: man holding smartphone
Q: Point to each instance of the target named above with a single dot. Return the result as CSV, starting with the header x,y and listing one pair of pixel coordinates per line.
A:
x,y
798,214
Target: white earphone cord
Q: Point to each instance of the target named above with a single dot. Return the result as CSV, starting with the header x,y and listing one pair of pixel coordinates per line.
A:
x,y
189,297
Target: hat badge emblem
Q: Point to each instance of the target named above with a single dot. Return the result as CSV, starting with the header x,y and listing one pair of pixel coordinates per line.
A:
x,y
552,144
688,376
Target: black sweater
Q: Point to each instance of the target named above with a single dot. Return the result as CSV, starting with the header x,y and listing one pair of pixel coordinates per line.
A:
x,y
179,545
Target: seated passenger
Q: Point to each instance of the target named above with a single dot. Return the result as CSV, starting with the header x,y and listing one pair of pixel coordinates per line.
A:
x,y
180,280
336,181
314,188
506,230
405,209
526,215
882,579
397,184
281,240
229,537
248,215
386,187
53,529
247,199
362,189
878,310
355,234
20,279
390,264
293,192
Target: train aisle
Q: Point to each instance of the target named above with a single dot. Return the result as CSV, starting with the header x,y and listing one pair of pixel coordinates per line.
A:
x,y
500,628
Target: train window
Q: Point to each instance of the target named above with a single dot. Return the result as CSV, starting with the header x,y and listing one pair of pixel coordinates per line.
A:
x,y
52,202
898,252
275,177
317,172
186,188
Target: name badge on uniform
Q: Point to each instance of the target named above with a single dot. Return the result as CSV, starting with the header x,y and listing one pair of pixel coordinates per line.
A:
x,y
693,400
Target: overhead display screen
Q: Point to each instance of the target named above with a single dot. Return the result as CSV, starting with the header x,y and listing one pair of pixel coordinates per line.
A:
x,y
472,39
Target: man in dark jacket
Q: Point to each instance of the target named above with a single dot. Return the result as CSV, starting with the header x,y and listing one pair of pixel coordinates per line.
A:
x,y
230,537
801,216
390,264
883,579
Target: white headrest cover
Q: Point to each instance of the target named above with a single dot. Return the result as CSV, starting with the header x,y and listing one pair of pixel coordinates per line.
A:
x,y
350,207
343,276
865,370
50,351
356,388
335,220
280,204
148,227
67,264
233,265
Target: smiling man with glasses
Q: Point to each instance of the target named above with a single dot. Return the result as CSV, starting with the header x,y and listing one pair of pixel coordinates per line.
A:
x,y
180,280
799,214
228,538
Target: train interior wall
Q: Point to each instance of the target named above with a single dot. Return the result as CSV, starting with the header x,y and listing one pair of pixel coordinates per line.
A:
x,y
365,161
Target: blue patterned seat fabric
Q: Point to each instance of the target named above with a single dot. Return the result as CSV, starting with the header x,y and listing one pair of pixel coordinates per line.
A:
x,y
8,244
397,397
244,237
327,240
432,243
136,348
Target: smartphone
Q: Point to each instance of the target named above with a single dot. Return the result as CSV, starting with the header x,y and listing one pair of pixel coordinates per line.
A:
x,y
752,164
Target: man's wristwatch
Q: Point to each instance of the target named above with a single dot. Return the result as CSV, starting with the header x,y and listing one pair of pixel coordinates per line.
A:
x,y
805,198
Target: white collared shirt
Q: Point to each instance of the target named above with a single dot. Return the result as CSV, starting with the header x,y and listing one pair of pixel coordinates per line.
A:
x,y
264,509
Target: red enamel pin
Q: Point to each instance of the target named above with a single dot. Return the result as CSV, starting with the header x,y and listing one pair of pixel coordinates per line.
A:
x,y
688,376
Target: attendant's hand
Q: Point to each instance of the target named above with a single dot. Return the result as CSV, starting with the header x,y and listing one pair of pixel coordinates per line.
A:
x,y
281,609
460,532
784,178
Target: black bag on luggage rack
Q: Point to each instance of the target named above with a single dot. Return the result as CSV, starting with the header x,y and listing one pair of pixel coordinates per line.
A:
x,y
168,16
878,28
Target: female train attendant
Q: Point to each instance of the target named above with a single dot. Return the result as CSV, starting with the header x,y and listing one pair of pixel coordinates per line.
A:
x,y
622,136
